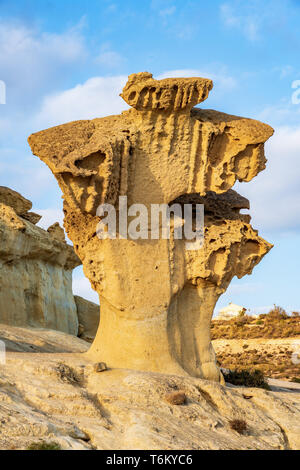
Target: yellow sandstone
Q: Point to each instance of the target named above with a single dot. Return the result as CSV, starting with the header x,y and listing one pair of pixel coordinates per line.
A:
x,y
157,297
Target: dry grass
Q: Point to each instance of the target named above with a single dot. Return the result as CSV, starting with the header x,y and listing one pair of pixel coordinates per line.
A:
x,y
276,364
246,378
239,425
176,398
275,324
44,446
67,374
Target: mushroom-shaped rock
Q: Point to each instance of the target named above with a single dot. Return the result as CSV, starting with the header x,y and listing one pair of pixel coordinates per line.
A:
x,y
157,297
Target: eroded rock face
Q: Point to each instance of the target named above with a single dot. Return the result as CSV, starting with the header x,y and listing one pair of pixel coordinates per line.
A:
x,y
61,398
19,203
35,271
157,297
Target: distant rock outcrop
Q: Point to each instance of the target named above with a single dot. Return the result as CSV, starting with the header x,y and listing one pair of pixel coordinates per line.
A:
x,y
19,203
88,316
35,269
231,311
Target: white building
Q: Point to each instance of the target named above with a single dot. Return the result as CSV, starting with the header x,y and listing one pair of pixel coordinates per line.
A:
x,y
231,311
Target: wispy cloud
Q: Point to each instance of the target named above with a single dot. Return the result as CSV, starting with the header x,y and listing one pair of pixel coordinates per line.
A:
x,y
221,78
167,11
248,24
97,97
285,70
255,19
109,58
49,217
223,81
275,193
32,61
281,113
82,286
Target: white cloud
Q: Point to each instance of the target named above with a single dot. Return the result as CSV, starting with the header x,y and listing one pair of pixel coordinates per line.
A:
x,y
49,217
26,174
259,310
244,288
17,41
286,111
97,97
275,193
222,81
30,59
256,19
109,58
248,24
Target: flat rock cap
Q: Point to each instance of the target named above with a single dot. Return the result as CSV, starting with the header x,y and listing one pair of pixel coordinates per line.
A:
x,y
143,92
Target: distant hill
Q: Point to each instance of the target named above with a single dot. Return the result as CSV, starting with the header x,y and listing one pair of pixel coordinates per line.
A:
x,y
275,324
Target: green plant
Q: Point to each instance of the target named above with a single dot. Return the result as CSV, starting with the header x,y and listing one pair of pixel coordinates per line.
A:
x,y
296,379
44,446
247,378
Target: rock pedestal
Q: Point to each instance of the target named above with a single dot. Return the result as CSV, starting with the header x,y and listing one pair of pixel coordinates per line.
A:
x,y
157,297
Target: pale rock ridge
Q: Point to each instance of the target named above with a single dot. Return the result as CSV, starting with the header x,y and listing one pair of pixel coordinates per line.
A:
x,y
61,398
157,298
35,271
19,203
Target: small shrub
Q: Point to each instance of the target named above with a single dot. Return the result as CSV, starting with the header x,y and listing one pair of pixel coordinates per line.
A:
x,y
277,313
176,398
296,380
247,378
44,446
239,425
67,374
242,320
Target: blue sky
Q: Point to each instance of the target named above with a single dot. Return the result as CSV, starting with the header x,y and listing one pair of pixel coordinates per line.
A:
x,y
66,60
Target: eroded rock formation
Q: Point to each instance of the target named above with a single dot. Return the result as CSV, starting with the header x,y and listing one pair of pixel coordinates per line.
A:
x,y
35,269
157,297
88,317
